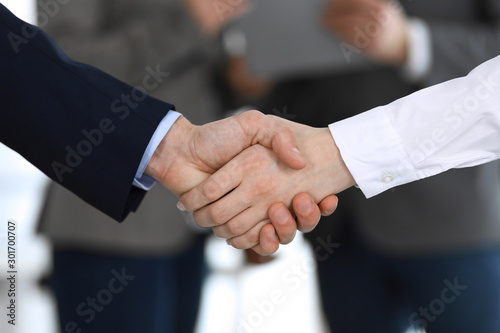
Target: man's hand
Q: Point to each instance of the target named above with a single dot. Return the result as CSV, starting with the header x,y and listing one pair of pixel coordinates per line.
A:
x,y
378,28
251,183
189,154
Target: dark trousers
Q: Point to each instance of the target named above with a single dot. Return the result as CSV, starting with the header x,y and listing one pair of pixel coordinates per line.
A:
x,y
363,291
97,293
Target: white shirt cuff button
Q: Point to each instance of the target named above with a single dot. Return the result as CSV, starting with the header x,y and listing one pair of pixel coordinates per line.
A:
x,y
387,178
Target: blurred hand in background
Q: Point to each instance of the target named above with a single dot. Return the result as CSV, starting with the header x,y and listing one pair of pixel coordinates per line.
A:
x,y
376,27
212,15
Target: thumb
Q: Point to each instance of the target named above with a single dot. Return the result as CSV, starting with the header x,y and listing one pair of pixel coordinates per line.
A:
x,y
268,132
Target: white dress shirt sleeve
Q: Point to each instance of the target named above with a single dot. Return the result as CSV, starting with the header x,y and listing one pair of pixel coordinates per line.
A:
x,y
455,124
144,181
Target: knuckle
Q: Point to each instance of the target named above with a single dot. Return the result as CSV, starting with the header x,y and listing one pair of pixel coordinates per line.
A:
x,y
253,237
254,115
247,240
210,190
226,176
239,243
218,232
234,228
251,118
216,214
286,132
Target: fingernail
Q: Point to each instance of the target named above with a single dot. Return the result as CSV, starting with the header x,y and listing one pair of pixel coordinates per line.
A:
x,y
331,210
181,207
272,235
229,242
281,215
296,151
306,207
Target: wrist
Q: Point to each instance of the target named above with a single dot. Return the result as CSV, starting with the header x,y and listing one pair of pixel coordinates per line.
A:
x,y
346,178
340,176
172,147
327,172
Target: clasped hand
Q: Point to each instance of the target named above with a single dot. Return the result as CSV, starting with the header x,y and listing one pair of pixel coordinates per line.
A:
x,y
254,179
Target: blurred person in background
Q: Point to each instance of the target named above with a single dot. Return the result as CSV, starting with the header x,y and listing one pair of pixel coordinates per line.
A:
x,y
423,255
154,258
212,17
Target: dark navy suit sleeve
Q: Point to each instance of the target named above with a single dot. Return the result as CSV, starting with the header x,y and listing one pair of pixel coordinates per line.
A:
x,y
83,128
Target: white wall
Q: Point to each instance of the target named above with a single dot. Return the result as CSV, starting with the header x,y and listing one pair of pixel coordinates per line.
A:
x,y
24,9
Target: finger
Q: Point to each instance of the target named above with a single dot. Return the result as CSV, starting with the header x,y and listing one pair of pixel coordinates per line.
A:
x,y
268,241
241,198
307,212
219,184
283,222
225,210
250,239
270,133
240,223
328,205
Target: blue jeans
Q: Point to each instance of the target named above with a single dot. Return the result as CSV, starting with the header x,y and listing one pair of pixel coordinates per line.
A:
x,y
363,291
99,293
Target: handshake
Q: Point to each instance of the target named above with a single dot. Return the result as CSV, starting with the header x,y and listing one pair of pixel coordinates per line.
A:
x,y
250,176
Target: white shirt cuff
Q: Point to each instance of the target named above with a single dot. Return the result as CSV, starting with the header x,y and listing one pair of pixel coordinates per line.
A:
x,y
373,152
419,59
144,181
